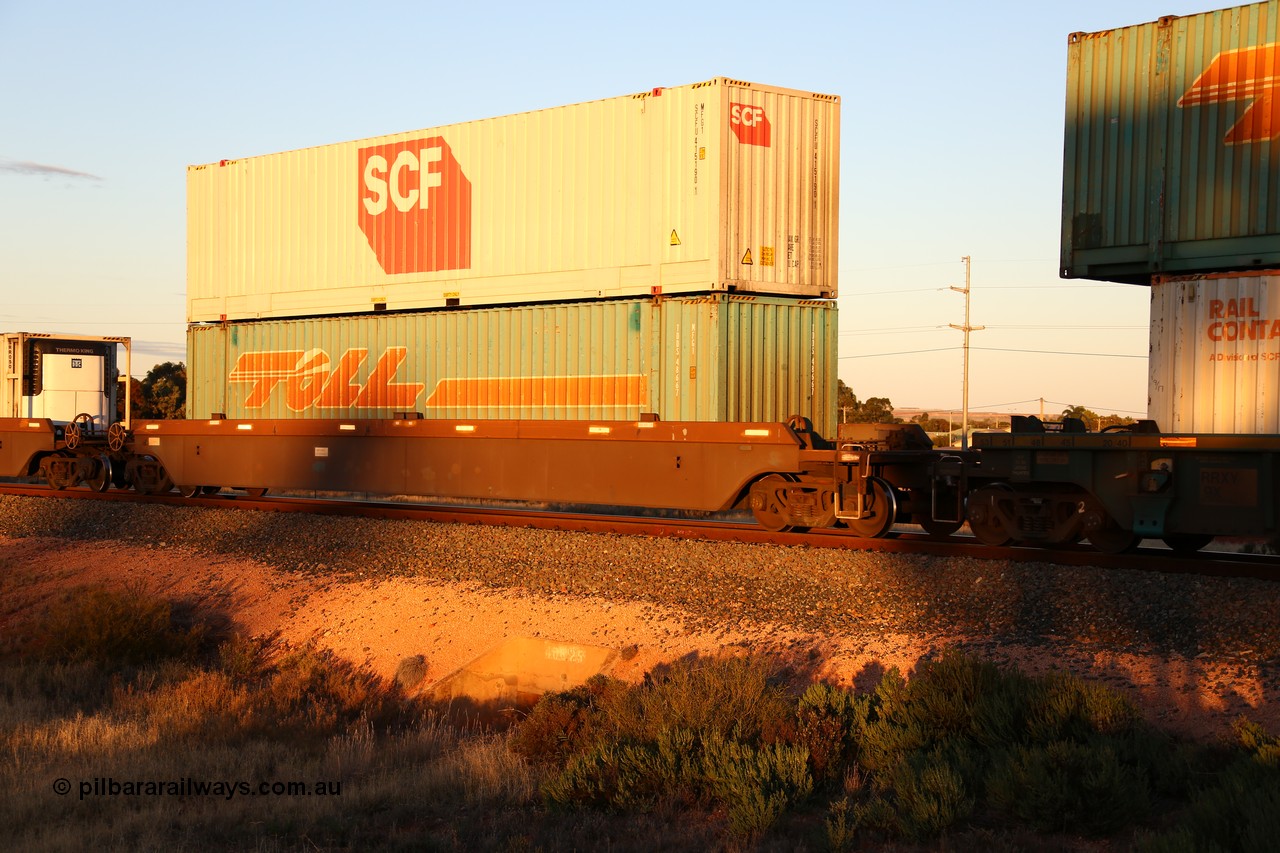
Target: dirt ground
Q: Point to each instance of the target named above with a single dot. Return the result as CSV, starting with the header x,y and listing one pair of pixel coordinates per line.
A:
x,y
380,623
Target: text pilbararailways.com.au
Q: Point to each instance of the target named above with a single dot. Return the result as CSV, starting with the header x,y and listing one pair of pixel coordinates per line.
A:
x,y
227,789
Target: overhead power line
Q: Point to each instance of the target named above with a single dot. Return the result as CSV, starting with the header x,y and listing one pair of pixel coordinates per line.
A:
x,y
994,349
908,352
1055,352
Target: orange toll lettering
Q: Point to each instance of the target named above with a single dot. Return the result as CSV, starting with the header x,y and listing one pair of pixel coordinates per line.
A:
x,y
340,392
311,381
381,392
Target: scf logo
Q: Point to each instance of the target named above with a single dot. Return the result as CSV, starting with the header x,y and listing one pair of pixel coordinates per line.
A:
x,y
750,125
415,206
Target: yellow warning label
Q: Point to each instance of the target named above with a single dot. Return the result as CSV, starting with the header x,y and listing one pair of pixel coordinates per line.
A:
x,y
675,238
746,259
766,256
702,153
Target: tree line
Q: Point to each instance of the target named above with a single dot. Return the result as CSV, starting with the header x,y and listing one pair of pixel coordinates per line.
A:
x,y
160,395
879,410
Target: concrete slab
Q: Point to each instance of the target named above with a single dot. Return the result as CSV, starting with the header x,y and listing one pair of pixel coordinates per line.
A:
x,y
516,672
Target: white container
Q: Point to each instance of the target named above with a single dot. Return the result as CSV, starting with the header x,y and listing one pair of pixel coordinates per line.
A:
x,y
1215,354
716,186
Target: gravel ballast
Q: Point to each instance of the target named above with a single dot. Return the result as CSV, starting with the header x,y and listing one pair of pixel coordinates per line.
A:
x,y
1067,617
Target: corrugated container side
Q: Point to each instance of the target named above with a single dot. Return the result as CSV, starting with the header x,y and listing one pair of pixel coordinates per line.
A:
x,y
711,358
1170,161
1215,354
718,186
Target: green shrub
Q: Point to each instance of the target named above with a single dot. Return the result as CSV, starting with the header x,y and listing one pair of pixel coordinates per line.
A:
x,y
961,735
952,698
1264,747
551,731
756,785
930,795
114,629
314,693
736,697
1067,785
1238,809
841,832
1178,840
828,719
1063,707
629,776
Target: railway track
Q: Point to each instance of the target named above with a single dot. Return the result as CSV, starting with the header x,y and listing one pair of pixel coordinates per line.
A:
x,y
905,539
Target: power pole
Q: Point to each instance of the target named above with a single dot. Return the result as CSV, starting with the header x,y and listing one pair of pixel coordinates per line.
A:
x,y
966,328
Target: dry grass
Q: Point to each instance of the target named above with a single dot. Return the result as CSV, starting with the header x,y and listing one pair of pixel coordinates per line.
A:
x,y
82,702
135,701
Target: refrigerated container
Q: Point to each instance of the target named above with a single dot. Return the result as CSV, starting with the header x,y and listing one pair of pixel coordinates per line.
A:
x,y
62,377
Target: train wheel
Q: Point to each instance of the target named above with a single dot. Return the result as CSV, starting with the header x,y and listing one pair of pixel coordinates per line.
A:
x,y
984,516
768,502
102,476
1186,544
189,491
1113,540
255,493
880,511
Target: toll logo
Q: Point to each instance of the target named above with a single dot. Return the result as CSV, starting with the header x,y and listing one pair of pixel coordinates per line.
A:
x,y
1248,74
750,125
310,379
415,206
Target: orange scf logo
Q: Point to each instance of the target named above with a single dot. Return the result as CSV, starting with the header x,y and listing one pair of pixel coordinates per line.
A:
x,y
750,125
1250,73
415,206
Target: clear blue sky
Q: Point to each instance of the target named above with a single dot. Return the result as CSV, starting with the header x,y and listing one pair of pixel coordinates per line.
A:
x,y
951,125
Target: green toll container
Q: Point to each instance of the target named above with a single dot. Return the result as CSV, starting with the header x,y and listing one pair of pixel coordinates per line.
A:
x,y
714,357
1172,154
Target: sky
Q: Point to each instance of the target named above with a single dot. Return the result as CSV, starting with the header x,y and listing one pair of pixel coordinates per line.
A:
x,y
951,134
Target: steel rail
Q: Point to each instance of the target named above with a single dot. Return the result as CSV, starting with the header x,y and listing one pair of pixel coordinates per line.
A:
x,y
904,540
